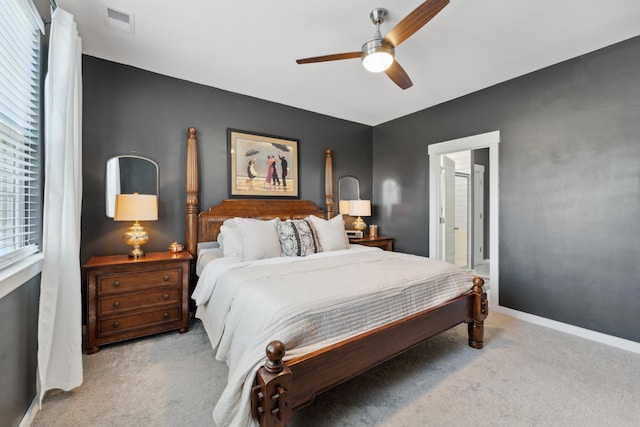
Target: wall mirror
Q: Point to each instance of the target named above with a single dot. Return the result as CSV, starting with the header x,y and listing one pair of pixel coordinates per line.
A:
x,y
348,189
129,174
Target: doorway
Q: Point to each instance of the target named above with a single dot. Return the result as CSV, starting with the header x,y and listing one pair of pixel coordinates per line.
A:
x,y
462,216
437,250
456,209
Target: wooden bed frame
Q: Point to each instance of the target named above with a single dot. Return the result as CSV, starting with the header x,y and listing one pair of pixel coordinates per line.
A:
x,y
281,387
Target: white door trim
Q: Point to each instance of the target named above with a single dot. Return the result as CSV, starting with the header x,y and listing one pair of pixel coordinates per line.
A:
x,y
486,140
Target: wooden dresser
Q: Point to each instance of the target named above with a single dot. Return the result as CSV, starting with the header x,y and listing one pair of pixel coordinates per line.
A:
x,y
385,243
129,298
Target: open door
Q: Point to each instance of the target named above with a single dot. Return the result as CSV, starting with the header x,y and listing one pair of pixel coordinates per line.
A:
x,y
448,209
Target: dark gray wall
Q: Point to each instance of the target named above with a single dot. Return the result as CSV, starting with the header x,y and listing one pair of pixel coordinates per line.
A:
x,y
126,109
569,185
18,351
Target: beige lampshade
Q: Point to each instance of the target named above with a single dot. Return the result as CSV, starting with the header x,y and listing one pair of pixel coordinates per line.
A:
x,y
136,207
360,208
344,207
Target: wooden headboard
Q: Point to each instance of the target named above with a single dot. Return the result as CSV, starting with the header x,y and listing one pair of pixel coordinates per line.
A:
x,y
209,222
204,226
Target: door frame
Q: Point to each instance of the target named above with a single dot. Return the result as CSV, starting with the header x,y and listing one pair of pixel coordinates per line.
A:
x,y
485,140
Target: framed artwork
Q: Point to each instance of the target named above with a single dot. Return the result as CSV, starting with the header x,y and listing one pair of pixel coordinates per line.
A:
x,y
262,165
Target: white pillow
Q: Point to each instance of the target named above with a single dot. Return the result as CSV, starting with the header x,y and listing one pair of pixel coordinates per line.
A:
x,y
259,238
331,233
231,239
206,255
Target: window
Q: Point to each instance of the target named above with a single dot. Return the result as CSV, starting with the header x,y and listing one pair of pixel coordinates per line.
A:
x,y
20,130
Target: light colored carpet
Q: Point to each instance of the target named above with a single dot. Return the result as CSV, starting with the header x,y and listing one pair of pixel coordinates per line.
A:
x,y
526,375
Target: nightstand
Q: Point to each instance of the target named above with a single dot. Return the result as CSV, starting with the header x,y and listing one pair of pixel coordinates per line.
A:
x,y
129,298
385,243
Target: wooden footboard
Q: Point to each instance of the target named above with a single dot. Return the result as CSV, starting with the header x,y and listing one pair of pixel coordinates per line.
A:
x,y
282,387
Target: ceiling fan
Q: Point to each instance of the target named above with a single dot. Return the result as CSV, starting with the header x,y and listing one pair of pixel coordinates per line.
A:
x,y
378,53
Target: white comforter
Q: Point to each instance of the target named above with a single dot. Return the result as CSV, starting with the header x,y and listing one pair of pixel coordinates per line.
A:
x,y
309,302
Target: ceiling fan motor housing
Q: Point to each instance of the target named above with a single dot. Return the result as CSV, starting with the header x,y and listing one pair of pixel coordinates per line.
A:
x,y
375,46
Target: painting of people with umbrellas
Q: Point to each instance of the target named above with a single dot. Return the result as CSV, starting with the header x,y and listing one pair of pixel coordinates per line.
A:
x,y
262,165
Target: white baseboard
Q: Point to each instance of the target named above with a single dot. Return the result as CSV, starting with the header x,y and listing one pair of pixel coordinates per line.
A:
x,y
573,330
31,413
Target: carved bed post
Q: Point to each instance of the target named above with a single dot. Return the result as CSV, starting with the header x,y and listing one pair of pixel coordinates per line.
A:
x,y
270,397
480,312
328,183
192,198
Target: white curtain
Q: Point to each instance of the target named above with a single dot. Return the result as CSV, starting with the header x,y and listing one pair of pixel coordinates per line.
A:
x,y
60,319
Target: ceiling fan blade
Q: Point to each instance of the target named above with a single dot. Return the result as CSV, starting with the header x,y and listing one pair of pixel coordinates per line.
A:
x,y
399,75
414,21
334,57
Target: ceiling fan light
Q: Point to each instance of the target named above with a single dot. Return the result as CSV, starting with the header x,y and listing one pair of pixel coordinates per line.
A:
x,y
377,56
377,62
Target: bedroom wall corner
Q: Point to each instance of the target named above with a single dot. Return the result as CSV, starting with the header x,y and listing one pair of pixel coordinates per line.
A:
x,y
569,198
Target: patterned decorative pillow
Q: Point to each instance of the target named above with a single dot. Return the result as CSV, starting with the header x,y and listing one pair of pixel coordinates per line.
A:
x,y
297,237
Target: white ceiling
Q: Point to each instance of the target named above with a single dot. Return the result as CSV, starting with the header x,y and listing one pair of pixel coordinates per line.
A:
x,y
250,46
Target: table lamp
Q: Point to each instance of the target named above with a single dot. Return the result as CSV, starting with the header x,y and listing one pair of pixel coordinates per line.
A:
x,y
136,207
360,208
344,207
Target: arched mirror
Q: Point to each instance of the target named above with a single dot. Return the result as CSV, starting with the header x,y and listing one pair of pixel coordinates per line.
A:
x,y
129,174
348,189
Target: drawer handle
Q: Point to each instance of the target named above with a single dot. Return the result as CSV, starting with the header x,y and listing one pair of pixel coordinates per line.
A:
x,y
165,296
116,283
165,315
165,277
116,304
116,324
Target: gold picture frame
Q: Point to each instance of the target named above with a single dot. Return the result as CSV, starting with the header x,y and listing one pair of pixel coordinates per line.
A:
x,y
262,166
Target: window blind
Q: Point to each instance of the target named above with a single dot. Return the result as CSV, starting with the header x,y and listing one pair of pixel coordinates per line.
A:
x,y
20,130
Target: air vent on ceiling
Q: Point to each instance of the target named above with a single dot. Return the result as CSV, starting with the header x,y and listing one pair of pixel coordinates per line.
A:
x,y
119,20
